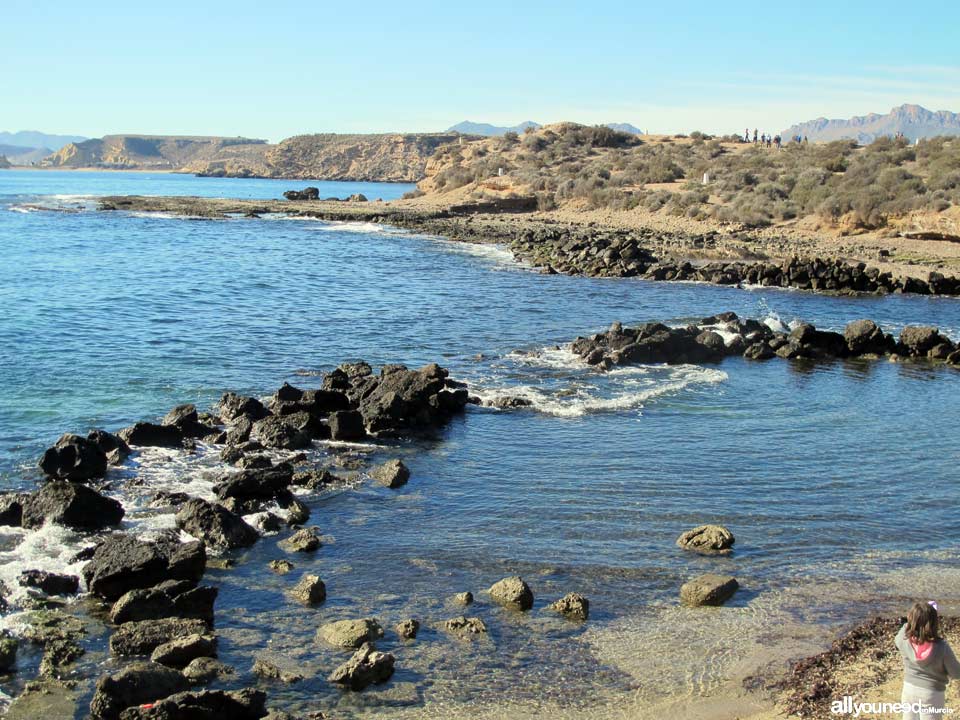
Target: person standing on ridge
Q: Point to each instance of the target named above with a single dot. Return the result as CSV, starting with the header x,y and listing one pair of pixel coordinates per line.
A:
x,y
754,136
928,663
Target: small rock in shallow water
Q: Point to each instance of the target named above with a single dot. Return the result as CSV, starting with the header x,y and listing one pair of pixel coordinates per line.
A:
x,y
204,669
391,474
367,666
573,606
465,626
310,590
266,669
74,458
141,638
512,592
464,598
708,540
350,633
181,652
407,629
708,589
281,567
304,540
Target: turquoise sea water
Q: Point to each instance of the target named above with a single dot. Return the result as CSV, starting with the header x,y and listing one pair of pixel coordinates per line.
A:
x,y
839,475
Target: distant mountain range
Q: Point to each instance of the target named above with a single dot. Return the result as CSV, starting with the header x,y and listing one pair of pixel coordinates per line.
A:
x,y
913,121
34,139
486,129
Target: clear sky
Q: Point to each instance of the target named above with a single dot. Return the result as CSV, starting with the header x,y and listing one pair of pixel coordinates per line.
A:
x,y
274,69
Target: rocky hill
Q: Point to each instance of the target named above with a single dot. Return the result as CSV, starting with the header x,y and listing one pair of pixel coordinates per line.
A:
x,y
390,157
143,152
913,121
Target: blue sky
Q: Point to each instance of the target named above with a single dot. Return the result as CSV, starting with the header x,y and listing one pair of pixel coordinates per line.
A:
x,y
276,69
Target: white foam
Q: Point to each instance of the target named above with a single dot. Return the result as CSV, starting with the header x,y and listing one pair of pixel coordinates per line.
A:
x,y
50,548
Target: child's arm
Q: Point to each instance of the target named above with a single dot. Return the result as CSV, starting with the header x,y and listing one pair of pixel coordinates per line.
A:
x,y
950,663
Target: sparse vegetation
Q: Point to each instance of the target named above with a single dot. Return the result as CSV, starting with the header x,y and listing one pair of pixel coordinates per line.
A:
x,y
596,167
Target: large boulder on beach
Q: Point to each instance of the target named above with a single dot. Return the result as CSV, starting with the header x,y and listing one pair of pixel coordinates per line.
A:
x,y
863,337
71,504
134,685
708,589
707,540
365,667
74,458
215,525
263,483
350,633
144,636
245,704
232,407
391,474
122,563
147,434
513,593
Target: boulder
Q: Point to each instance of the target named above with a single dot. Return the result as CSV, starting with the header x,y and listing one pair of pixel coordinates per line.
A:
x,y
165,600
304,540
308,193
707,540
407,629
122,563
255,482
367,666
146,434
11,508
461,625
402,399
215,525
205,669
245,704
143,637
917,341
50,583
864,337
278,432
266,669
357,197
708,589
139,683
232,407
281,567
187,420
349,633
573,606
310,590
315,479
392,474
513,593
71,504
113,446
181,652
74,458
346,425
464,598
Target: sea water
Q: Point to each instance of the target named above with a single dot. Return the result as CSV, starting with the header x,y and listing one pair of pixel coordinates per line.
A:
x,y
838,478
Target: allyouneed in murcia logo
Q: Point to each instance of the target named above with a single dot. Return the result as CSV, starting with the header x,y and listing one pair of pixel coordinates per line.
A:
x,y
848,705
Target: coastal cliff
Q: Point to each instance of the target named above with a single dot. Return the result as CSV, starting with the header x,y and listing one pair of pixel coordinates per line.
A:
x,y
390,157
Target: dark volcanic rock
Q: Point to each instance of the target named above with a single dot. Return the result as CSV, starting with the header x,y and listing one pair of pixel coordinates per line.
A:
x,y
347,425
74,458
233,406
215,525
11,508
122,563
367,666
112,445
308,193
863,337
246,704
278,432
134,685
163,601
50,583
143,637
917,341
147,434
256,482
187,420
71,504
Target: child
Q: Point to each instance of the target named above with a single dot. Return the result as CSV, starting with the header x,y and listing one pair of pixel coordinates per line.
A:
x,y
928,662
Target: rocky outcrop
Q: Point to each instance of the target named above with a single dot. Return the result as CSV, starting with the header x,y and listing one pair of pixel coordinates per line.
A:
x,y
367,666
74,458
143,637
215,525
350,633
308,193
122,563
169,599
205,669
70,504
513,593
134,685
707,540
147,434
708,589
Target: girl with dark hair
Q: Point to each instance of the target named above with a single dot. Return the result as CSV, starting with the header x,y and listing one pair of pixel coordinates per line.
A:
x,y
928,663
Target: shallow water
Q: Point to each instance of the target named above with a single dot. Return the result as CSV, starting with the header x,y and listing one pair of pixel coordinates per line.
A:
x,y
838,479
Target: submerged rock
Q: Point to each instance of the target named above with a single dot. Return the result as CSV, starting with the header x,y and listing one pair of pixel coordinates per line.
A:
x,y
139,683
463,598
281,567
367,666
266,669
215,525
512,592
303,540
461,625
70,504
407,629
708,589
74,458
707,540
57,654
573,606
391,474
350,633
